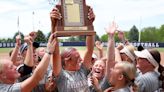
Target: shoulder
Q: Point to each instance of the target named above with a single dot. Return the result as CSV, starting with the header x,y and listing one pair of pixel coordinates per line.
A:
x,y
148,75
16,87
125,89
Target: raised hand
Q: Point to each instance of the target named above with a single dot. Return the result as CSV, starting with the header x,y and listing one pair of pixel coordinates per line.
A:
x,y
91,15
121,35
112,29
99,45
33,35
18,40
28,39
55,14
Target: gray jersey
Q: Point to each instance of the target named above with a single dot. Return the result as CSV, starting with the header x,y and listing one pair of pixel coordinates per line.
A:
x,y
125,89
148,82
75,81
16,87
103,84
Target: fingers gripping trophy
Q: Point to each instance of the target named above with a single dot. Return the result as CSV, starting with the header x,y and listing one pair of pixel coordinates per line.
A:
x,y
75,18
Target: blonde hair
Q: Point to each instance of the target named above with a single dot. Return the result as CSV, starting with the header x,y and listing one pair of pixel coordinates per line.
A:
x,y
129,70
131,48
66,53
129,51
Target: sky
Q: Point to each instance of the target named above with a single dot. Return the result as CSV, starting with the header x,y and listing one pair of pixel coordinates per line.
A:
x,y
34,15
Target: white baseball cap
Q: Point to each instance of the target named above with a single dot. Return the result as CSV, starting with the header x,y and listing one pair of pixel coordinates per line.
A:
x,y
94,56
128,53
146,54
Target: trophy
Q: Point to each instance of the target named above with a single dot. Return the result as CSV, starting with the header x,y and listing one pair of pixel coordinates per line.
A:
x,y
74,19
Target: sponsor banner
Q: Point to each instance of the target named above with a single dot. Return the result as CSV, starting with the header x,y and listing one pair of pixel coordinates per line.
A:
x,y
7,45
144,44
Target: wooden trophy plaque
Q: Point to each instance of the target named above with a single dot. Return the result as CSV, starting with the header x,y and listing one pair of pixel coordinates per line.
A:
x,y
74,19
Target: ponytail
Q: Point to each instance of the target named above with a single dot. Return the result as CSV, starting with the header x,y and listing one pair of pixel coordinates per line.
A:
x,y
161,77
156,55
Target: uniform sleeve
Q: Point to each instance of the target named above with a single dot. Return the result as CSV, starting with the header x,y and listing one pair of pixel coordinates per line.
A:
x,y
15,88
140,84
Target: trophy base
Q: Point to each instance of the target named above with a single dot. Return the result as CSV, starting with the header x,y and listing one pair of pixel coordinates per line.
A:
x,y
74,33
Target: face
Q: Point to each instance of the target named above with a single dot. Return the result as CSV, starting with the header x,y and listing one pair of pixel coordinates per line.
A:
x,y
35,57
98,69
10,71
142,63
75,61
124,57
24,53
41,52
115,74
19,59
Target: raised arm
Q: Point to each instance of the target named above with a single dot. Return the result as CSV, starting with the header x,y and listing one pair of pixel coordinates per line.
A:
x,y
15,51
28,84
29,56
110,49
57,66
121,36
89,44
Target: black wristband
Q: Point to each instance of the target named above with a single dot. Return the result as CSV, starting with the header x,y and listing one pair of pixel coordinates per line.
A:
x,y
48,52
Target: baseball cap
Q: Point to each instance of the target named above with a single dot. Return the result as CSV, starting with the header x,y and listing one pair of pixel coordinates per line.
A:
x,y
23,47
129,51
94,56
146,54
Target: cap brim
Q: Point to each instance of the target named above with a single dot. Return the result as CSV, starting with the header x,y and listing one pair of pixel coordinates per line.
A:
x,y
122,51
140,54
23,47
94,56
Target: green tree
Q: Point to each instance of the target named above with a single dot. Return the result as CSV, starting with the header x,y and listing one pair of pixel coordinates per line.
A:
x,y
133,34
116,37
104,38
149,34
3,40
40,37
10,40
80,38
126,33
161,33
71,39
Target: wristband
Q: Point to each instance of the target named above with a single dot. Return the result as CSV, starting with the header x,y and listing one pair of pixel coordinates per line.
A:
x,y
48,52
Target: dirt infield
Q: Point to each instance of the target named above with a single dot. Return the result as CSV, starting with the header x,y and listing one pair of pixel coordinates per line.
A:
x,y
6,55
